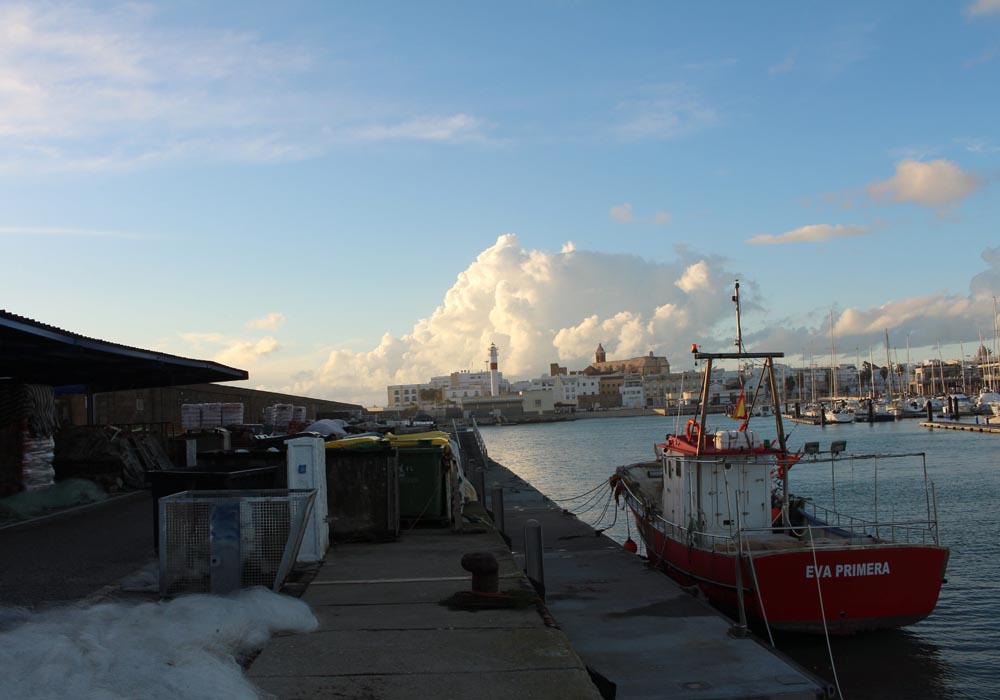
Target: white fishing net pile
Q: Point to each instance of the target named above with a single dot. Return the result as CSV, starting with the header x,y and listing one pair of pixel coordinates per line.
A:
x,y
184,649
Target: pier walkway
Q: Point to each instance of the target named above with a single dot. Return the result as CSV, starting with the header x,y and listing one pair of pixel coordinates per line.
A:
x,y
986,426
635,626
384,635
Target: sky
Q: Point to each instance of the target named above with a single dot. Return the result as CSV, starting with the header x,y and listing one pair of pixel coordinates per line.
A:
x,y
340,196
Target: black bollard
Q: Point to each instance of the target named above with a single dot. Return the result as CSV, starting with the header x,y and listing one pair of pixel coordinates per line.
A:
x,y
930,412
485,571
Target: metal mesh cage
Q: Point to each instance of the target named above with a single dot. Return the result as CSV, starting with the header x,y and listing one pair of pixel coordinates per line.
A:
x,y
218,541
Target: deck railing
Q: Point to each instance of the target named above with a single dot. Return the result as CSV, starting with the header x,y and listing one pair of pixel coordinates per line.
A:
x,y
836,529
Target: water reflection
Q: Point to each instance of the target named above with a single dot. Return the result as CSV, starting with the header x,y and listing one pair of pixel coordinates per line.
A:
x,y
895,664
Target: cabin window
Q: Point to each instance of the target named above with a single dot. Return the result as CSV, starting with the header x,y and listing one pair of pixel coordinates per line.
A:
x,y
678,469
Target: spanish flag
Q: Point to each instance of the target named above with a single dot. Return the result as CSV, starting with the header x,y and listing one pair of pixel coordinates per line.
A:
x,y
740,412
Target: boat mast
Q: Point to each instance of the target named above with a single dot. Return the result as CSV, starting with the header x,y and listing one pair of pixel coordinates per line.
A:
x,y
861,388
888,363
739,328
871,361
833,360
944,389
961,364
996,346
703,410
909,367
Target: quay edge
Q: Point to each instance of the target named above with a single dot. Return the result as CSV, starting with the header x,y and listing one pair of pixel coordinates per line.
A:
x,y
635,626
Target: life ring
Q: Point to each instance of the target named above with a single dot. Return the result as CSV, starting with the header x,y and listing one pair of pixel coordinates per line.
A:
x,y
692,430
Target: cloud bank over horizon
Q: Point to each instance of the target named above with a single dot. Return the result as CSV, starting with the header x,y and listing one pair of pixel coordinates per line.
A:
x,y
541,307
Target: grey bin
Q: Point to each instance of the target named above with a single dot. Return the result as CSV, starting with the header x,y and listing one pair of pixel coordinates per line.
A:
x,y
220,541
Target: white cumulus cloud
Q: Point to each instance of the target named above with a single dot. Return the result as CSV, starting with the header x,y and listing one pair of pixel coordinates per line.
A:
x,y
538,307
235,352
541,307
934,183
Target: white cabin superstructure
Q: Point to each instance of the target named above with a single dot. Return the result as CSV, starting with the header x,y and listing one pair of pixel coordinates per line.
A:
x,y
718,494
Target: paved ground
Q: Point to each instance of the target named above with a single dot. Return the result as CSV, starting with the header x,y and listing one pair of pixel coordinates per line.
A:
x,y
68,557
384,634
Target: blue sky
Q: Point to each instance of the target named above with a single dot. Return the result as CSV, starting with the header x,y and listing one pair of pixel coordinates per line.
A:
x,y
340,196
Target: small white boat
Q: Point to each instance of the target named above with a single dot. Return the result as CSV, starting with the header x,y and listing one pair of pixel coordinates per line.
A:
x,y
840,413
910,407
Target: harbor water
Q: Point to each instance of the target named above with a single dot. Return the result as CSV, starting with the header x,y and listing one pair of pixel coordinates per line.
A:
x,y
953,654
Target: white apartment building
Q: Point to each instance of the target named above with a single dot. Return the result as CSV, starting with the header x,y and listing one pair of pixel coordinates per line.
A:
x,y
566,388
632,392
446,388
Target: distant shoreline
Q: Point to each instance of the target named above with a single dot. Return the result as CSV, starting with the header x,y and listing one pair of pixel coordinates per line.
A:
x,y
588,415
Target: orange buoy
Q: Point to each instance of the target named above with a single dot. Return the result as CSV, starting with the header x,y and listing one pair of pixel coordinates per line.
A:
x,y
631,546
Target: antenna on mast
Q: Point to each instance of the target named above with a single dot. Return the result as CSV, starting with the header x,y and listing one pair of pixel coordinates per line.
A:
x,y
739,330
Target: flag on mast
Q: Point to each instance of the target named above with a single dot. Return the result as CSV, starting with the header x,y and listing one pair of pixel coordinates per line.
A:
x,y
740,412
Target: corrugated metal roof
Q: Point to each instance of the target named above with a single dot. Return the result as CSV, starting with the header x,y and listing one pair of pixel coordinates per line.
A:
x,y
37,353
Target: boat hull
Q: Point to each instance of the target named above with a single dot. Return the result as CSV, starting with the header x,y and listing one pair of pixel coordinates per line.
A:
x,y
862,587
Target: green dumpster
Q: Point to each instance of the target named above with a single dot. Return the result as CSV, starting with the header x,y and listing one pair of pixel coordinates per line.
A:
x,y
423,485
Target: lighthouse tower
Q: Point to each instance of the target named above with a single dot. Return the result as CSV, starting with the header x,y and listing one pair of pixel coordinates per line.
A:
x,y
494,378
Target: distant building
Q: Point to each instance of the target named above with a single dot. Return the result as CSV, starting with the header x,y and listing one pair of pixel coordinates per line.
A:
x,y
632,392
444,389
647,365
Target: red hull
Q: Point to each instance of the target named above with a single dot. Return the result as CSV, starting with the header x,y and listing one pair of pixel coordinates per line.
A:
x,y
862,587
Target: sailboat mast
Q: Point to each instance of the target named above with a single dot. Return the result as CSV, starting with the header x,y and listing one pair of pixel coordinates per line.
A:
x,y
833,359
944,389
996,346
888,363
739,328
961,364
861,386
909,367
871,362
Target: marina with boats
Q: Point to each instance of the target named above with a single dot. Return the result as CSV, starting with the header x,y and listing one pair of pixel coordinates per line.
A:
x,y
867,549
948,654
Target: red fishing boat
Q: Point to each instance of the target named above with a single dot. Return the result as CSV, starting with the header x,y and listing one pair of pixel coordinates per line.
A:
x,y
715,511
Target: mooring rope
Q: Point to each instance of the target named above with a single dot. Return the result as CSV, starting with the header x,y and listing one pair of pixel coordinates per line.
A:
x,y
604,511
604,482
592,502
822,612
760,596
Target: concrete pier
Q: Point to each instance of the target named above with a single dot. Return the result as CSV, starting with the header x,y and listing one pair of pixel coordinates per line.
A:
x,y
384,634
635,626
